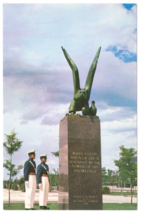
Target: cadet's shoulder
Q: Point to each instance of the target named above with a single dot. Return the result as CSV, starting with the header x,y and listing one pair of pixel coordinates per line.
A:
x,y
26,162
39,166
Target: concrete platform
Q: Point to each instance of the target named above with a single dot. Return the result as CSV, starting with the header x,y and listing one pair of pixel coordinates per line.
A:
x,y
18,196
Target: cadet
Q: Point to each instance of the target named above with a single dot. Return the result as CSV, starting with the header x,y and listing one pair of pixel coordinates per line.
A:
x,y
30,180
43,181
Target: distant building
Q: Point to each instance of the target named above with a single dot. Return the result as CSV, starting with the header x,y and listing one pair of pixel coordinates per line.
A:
x,y
134,159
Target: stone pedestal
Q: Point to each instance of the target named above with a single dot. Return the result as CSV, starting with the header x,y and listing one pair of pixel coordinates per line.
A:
x,y
80,181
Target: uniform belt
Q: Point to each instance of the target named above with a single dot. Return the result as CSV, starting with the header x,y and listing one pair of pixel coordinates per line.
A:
x,y
45,175
32,173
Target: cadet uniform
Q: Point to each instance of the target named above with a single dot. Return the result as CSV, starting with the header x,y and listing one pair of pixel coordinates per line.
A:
x,y
43,181
30,181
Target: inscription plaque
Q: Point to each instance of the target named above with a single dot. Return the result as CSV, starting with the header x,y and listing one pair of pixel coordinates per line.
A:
x,y
80,182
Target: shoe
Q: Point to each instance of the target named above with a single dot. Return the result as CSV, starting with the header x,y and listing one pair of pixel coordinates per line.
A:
x,y
41,207
45,207
33,209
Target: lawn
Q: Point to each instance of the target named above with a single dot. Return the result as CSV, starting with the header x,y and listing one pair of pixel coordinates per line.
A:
x,y
54,206
20,206
124,193
122,206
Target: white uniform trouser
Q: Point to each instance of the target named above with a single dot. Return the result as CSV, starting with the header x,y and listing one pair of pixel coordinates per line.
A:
x,y
43,191
30,189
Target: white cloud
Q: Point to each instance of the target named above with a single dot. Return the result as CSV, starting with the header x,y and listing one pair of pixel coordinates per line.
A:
x,y
113,75
120,126
38,84
116,133
114,113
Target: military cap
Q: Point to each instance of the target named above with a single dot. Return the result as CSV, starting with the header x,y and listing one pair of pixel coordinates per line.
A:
x,y
43,156
31,152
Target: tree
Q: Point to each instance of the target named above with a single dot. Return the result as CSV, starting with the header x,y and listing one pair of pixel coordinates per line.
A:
x,y
109,176
127,168
56,154
21,181
55,171
104,176
11,145
115,178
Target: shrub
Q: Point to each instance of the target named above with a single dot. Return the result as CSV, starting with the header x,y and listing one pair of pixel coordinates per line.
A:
x,y
22,187
105,190
14,186
21,181
7,186
4,185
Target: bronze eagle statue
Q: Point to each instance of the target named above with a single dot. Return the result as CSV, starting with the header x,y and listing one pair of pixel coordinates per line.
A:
x,y
81,96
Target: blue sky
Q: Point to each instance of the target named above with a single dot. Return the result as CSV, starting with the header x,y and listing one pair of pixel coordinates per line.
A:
x,y
124,55
37,82
128,6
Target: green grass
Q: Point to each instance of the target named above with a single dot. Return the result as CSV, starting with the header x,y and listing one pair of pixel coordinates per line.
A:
x,y
124,193
122,206
20,206
54,206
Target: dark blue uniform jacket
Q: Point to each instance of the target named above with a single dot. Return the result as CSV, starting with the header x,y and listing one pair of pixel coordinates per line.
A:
x,y
41,170
28,168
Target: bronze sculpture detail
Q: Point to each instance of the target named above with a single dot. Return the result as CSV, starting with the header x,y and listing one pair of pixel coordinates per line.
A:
x,y
81,96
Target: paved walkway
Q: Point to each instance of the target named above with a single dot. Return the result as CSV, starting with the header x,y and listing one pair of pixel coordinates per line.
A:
x,y
18,196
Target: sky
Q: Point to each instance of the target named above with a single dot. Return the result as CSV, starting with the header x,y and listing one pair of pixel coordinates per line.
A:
x,y
38,83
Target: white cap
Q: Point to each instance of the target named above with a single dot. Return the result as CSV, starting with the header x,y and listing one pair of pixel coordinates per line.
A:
x,y
32,151
44,155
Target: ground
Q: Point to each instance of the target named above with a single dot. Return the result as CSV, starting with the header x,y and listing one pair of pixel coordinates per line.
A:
x,y
54,206
110,202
